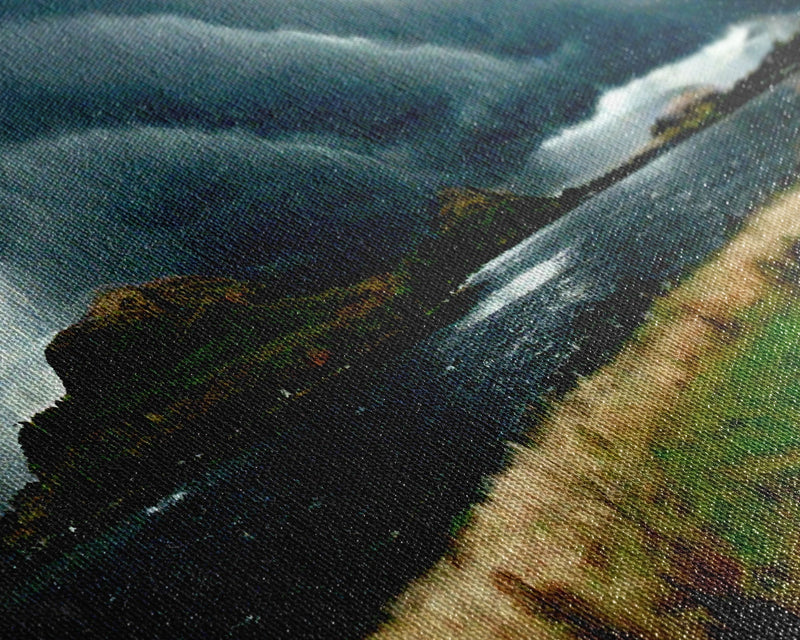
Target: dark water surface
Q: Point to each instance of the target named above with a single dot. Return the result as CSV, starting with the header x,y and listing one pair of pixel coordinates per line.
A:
x,y
311,531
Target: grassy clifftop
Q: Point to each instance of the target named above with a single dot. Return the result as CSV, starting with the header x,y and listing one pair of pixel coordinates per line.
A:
x,y
659,499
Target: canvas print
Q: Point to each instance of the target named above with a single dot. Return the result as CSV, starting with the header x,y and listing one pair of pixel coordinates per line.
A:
x,y
400,319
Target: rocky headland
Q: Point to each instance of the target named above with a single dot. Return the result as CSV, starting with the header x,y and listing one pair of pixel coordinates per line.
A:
x,y
167,378
152,370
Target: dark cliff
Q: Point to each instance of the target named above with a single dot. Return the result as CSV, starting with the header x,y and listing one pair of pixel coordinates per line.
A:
x,y
152,371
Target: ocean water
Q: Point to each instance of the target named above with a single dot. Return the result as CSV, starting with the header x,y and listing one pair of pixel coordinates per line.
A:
x,y
328,518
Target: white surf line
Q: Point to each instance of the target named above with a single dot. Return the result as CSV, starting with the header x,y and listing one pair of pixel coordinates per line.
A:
x,y
167,502
621,122
27,382
522,285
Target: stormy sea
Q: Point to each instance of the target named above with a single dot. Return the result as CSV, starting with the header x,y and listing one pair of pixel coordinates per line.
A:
x,y
302,145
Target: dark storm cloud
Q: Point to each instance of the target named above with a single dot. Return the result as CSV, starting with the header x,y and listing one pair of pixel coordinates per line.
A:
x,y
113,117
451,104
118,206
505,27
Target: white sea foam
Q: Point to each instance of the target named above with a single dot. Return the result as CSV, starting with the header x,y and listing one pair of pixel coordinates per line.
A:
x,y
166,503
524,284
27,383
620,124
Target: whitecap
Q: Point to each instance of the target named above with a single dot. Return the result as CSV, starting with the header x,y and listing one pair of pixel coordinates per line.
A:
x,y
522,285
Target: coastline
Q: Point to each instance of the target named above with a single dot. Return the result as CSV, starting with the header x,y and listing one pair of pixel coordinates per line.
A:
x,y
577,534
299,375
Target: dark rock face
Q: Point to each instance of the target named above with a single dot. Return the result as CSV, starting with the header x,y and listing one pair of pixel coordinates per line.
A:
x,y
131,332
133,378
151,367
154,370
116,363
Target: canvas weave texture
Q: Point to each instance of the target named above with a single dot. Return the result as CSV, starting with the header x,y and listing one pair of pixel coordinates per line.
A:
x,y
400,319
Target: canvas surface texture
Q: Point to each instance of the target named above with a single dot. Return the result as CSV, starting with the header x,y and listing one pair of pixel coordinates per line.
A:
x,y
400,319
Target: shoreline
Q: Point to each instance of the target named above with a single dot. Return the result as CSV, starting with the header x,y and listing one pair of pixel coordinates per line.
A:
x,y
549,552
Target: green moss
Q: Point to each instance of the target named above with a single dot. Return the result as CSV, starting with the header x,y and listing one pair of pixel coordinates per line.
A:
x,y
701,116
734,449
460,521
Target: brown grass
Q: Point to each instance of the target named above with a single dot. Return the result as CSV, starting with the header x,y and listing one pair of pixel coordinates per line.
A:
x,y
558,550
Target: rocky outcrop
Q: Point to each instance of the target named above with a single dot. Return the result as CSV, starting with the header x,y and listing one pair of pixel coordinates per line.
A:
x,y
152,370
686,111
700,107
133,330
